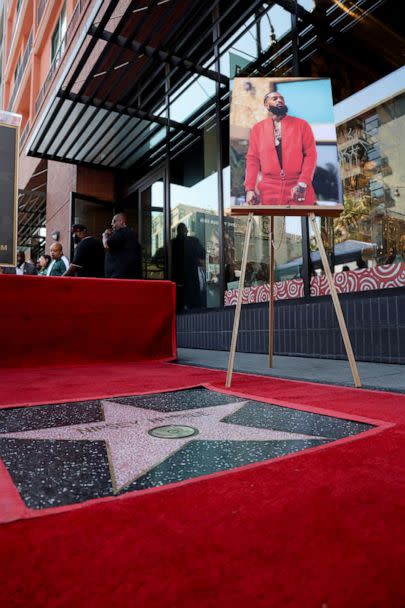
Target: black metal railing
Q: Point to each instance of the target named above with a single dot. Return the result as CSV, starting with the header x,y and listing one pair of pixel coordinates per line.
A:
x,y
20,72
59,54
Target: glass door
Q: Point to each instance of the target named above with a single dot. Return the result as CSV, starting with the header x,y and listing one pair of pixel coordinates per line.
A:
x,y
152,229
93,213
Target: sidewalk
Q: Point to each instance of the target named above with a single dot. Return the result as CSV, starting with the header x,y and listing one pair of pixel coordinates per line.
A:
x,y
378,376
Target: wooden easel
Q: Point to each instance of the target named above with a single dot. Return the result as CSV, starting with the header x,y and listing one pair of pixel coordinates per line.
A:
x,y
294,210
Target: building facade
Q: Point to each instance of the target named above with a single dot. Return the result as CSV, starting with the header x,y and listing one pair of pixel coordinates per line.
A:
x,y
126,107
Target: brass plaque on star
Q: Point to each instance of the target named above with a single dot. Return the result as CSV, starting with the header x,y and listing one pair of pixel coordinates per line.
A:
x,y
173,431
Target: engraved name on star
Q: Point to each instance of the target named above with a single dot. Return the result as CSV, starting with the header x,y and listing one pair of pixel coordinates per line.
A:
x,y
133,452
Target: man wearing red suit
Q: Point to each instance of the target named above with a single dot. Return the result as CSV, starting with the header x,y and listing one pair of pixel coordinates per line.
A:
x,y
283,149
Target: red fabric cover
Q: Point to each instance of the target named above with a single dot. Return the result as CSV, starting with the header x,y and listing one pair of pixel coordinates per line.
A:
x,y
54,320
320,528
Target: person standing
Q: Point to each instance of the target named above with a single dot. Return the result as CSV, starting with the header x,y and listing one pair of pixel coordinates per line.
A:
x,y
43,263
283,148
123,251
24,267
88,259
58,266
188,255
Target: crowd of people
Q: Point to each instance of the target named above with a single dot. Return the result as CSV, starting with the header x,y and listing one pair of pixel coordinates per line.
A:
x,y
116,256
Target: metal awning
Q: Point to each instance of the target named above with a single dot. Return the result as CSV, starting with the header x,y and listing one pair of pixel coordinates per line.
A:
x,y
108,106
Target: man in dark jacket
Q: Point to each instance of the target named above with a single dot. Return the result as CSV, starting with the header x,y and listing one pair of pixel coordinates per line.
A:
x,y
24,267
88,259
123,252
188,255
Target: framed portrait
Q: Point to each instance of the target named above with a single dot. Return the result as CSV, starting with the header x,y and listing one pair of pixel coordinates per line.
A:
x,y
283,148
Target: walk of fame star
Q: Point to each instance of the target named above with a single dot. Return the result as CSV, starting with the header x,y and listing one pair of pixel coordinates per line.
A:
x,y
67,453
133,451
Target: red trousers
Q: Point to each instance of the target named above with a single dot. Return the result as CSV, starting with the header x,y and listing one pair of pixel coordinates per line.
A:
x,y
277,191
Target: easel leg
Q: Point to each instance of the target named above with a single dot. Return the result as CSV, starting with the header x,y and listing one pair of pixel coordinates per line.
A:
x,y
336,302
239,302
271,283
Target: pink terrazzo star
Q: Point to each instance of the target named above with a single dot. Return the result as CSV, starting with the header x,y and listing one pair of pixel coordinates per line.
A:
x,y
132,451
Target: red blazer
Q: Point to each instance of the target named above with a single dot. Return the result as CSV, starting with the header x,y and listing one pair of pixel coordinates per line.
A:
x,y
298,152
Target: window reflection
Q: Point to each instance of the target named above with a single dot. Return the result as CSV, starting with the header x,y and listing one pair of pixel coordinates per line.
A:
x,y
373,221
152,230
309,5
192,95
287,247
273,25
240,50
195,229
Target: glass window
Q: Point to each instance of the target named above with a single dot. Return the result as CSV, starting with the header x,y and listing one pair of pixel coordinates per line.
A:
x,y
240,50
96,215
325,226
273,25
193,94
372,226
309,5
152,230
371,125
195,228
57,44
374,152
17,69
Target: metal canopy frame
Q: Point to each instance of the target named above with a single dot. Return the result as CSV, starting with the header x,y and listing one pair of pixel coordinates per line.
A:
x,y
32,210
31,216
109,117
91,123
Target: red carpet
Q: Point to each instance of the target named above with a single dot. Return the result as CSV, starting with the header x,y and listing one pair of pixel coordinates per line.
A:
x,y
63,321
321,528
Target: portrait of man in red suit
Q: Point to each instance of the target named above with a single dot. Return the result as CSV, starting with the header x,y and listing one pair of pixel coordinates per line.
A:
x,y
283,149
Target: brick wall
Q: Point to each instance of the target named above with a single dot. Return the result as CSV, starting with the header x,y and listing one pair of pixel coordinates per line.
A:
x,y
61,182
95,182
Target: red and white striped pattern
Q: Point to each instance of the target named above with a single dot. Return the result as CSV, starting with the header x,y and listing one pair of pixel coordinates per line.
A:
x,y
381,277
